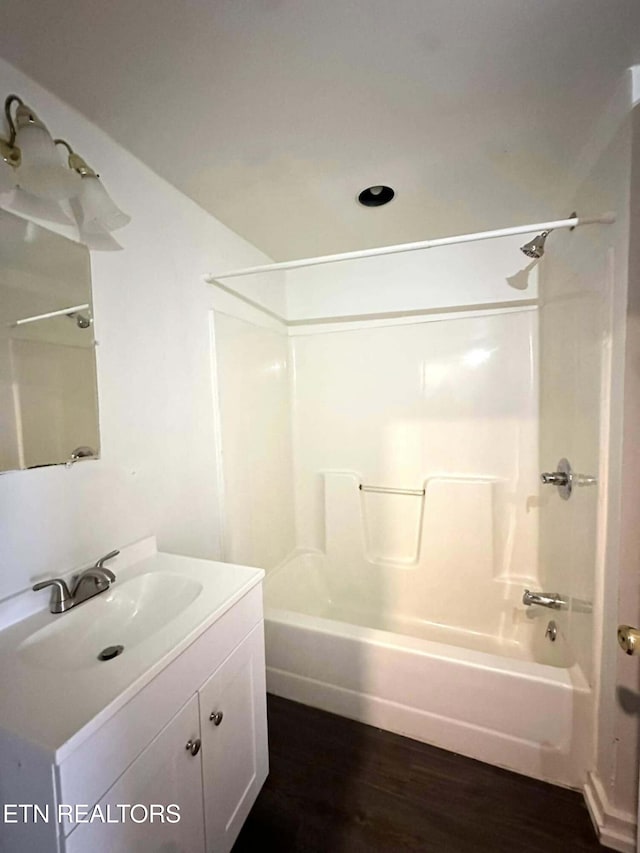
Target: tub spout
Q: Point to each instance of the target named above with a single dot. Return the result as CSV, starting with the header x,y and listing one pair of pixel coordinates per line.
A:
x,y
544,599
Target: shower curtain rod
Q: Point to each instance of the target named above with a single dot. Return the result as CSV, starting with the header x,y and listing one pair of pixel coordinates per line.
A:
x,y
604,219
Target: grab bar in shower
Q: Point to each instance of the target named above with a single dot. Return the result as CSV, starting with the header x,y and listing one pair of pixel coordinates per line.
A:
x,y
387,490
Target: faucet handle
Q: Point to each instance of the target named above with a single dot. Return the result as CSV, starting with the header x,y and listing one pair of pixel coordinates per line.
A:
x,y
61,598
100,564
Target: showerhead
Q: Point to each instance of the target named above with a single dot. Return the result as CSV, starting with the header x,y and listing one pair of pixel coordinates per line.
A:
x,y
535,248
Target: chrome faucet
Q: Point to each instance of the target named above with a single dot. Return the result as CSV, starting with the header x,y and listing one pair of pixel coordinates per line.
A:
x,y
554,478
544,599
90,582
562,477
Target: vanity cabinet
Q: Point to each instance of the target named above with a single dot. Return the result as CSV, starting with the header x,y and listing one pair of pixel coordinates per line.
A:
x,y
210,761
192,735
233,728
165,773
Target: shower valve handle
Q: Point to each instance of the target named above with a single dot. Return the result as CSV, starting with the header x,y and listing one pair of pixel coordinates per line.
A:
x,y
544,599
562,477
554,478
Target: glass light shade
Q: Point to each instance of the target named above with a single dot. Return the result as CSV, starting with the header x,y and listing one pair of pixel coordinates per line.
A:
x,y
8,178
42,172
98,211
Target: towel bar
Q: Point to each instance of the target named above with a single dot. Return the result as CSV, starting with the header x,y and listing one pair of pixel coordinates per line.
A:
x,y
387,490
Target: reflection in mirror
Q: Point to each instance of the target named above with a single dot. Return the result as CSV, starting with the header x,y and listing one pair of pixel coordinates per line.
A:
x,y
48,389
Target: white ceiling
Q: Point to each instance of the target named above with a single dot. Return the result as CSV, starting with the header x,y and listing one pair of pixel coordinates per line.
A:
x,y
274,114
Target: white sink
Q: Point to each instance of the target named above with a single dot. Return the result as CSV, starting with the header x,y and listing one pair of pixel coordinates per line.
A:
x,y
130,612
156,609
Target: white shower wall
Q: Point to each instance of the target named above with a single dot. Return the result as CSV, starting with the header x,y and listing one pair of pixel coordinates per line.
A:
x,y
252,381
448,404
422,376
574,382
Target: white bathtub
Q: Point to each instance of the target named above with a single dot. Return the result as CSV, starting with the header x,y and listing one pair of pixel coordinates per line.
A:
x,y
510,699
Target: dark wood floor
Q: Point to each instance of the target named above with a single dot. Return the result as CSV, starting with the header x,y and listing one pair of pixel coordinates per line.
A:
x,y
336,786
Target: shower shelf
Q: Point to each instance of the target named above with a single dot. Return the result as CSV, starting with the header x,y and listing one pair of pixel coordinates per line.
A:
x,y
387,490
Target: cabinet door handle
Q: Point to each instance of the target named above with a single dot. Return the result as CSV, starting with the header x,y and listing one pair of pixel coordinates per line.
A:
x,y
216,717
193,746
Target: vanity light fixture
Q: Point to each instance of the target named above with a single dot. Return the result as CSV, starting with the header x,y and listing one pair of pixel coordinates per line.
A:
x,y
10,154
29,160
30,152
97,212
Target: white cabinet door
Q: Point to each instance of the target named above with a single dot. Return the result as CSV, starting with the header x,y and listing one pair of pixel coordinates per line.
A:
x,y
165,773
233,718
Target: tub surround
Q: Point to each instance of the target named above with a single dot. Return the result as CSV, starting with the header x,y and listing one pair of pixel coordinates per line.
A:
x,y
402,606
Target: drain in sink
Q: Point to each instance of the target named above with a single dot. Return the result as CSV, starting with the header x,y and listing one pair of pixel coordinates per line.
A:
x,y
110,652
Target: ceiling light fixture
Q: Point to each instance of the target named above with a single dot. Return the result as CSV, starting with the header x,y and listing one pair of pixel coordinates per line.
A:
x,y
29,160
376,195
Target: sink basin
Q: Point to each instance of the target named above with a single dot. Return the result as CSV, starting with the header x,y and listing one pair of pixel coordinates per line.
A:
x,y
128,613
157,608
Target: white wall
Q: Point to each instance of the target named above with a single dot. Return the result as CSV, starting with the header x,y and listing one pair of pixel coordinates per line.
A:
x,y
617,756
626,701
158,470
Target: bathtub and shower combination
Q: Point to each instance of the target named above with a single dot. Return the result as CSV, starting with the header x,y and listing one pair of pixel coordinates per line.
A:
x,y
403,456
492,686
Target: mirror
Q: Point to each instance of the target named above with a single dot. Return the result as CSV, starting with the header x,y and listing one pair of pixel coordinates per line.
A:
x,y
48,387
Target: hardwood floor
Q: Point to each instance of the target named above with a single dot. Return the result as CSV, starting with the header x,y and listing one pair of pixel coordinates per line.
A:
x,y
337,786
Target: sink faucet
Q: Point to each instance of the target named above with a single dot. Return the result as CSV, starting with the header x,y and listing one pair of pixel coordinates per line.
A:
x,y
90,582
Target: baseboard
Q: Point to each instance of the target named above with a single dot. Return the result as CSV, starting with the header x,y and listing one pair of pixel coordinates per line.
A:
x,y
615,828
